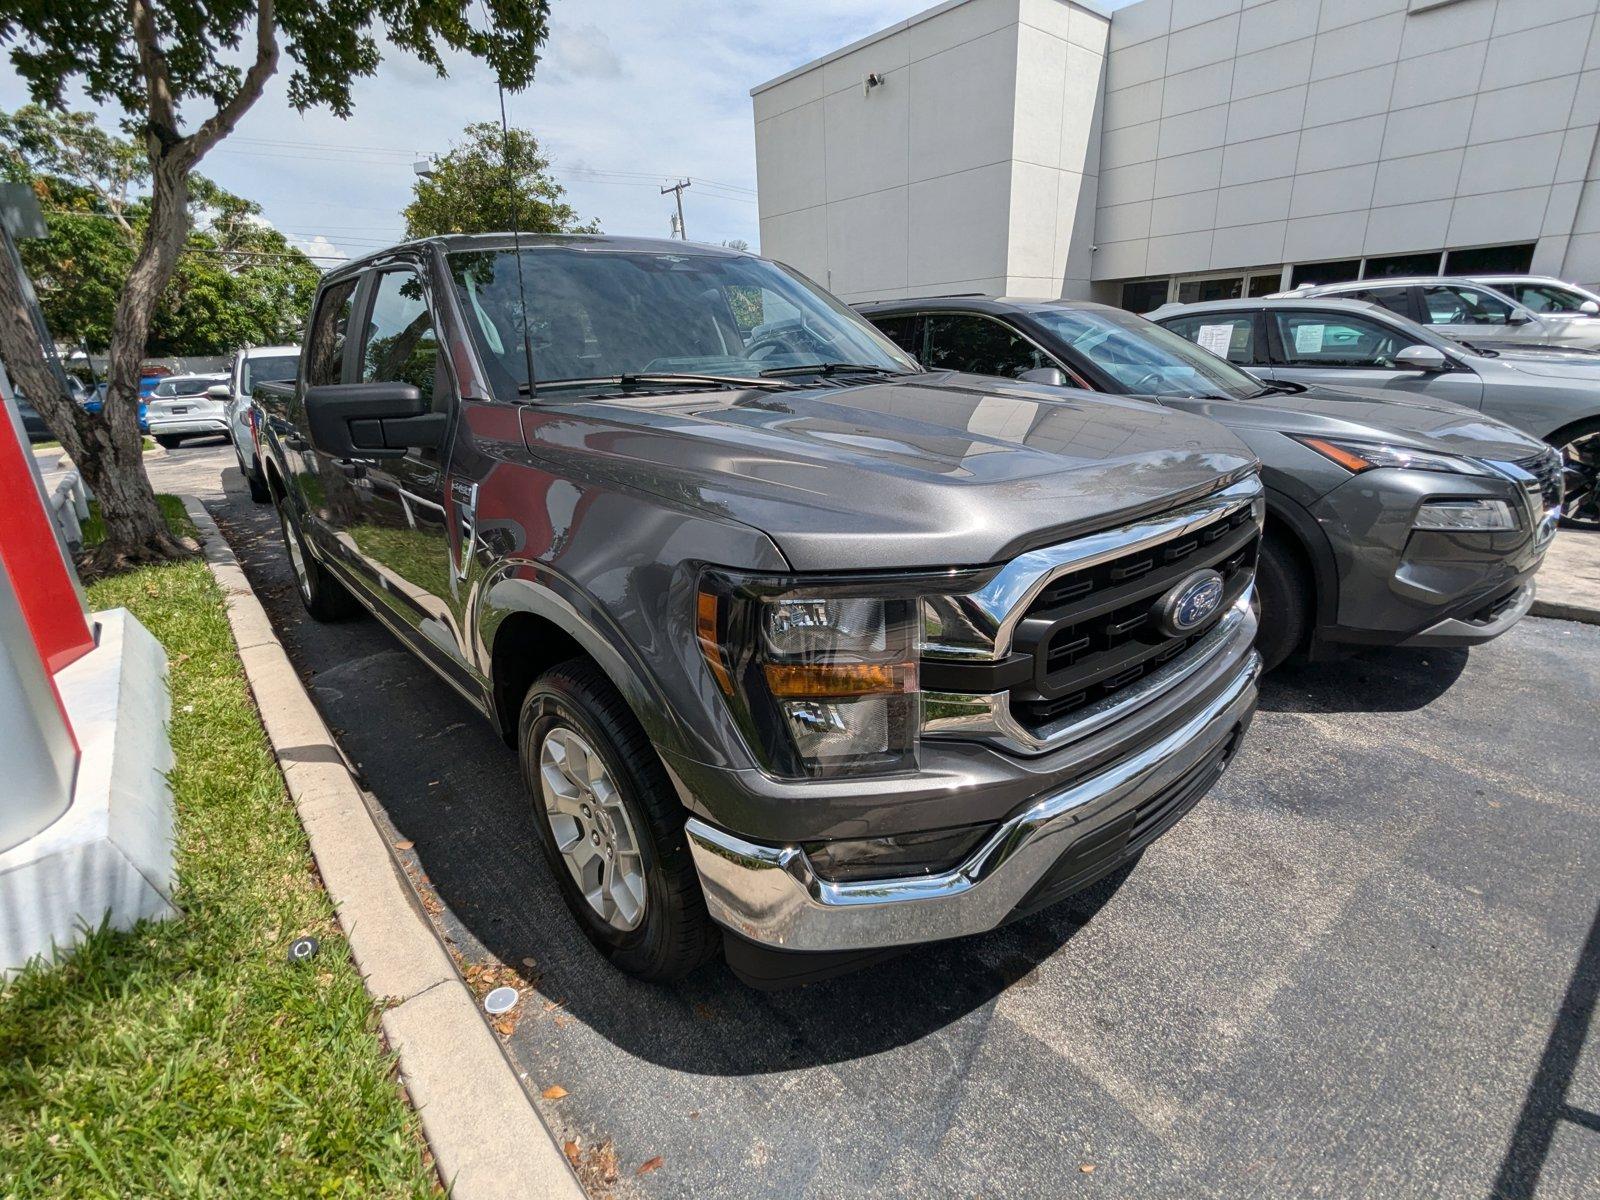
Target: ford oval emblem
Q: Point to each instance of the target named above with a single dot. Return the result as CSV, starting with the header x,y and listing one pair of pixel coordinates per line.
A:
x,y
1190,603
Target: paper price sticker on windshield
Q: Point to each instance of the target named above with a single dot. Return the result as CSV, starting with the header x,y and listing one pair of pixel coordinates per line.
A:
x,y
1308,339
1216,338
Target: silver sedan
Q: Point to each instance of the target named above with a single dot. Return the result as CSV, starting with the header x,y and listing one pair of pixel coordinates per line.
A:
x,y
1552,394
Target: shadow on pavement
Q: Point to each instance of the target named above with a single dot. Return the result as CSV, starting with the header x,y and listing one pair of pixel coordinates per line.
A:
x,y
1378,680
1546,1102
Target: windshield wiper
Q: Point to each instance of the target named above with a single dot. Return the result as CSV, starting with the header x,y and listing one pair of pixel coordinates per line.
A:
x,y
633,379
1279,387
829,368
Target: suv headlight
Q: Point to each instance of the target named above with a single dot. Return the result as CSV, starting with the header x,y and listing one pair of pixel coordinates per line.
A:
x,y
1358,456
1481,516
822,677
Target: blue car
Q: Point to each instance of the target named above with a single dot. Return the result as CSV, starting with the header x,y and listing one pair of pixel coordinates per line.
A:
x,y
97,398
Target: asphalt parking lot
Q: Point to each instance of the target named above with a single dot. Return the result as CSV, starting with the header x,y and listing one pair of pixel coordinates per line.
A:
x,y
1365,965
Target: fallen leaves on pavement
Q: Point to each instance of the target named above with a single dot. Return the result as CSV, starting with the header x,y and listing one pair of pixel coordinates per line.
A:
x,y
554,1092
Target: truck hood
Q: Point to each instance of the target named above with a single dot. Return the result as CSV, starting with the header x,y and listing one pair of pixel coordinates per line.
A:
x,y
931,470
1424,424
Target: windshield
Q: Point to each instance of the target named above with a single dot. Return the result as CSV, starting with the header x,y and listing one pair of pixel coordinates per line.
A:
x,y
595,313
183,387
1144,358
1547,297
276,368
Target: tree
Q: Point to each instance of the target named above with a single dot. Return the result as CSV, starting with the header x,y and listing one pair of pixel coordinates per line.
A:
x,y
489,183
165,63
238,281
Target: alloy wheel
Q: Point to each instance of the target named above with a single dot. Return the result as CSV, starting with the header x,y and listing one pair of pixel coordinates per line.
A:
x,y
1580,459
297,555
592,829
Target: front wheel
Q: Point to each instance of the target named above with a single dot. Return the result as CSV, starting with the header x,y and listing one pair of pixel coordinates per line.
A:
x,y
611,825
1580,460
325,598
1282,603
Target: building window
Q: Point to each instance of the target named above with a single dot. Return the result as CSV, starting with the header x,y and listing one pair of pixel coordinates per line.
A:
x,y
1338,271
1265,285
1144,295
1403,264
1491,260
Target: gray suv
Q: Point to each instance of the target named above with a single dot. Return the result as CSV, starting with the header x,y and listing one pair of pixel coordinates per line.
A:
x,y
1553,395
1410,523
806,652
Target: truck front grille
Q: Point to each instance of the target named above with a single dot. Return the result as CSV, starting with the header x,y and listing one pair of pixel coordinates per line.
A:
x,y
1093,632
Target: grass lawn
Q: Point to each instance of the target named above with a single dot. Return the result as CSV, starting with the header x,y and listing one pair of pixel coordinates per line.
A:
x,y
186,1057
147,443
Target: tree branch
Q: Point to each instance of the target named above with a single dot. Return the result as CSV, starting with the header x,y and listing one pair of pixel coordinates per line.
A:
x,y
220,124
159,106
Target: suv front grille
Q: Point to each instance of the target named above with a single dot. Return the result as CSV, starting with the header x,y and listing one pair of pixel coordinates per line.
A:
x,y
1546,467
1093,632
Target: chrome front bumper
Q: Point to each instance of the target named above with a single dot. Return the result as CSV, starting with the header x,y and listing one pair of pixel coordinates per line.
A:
x,y
771,895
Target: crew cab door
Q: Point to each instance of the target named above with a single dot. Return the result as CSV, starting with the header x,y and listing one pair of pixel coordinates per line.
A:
x,y
400,530
1344,349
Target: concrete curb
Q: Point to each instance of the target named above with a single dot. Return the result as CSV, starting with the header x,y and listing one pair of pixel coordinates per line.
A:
x,y
487,1137
1588,614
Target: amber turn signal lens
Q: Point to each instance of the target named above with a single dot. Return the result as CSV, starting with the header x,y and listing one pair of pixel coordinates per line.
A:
x,y
1350,462
706,634
834,681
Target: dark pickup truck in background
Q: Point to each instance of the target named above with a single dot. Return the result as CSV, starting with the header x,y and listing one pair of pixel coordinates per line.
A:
x,y
806,652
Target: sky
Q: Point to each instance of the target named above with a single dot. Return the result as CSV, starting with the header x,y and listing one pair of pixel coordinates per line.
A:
x,y
628,97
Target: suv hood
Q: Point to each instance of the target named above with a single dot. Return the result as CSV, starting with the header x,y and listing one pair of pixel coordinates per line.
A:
x,y
1424,424
931,470
1554,363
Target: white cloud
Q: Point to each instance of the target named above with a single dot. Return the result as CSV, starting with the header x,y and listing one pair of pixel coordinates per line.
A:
x,y
583,52
321,251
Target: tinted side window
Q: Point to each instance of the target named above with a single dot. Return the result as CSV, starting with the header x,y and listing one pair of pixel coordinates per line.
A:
x,y
1333,339
902,331
1227,335
1463,306
979,346
1395,299
328,331
400,346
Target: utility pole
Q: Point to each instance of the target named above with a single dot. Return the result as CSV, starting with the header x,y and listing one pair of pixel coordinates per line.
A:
x,y
678,189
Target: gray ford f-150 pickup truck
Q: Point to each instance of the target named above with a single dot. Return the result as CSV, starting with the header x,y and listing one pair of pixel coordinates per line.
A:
x,y
806,652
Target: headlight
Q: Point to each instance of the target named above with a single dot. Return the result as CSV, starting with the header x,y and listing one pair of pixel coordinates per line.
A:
x,y
1483,516
822,677
1358,456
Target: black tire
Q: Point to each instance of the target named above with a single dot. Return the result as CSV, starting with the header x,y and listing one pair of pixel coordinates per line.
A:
x,y
1580,453
1283,602
675,934
259,491
325,598
168,441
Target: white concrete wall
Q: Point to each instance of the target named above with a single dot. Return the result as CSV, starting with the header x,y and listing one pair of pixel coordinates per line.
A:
x,y
1243,133
967,170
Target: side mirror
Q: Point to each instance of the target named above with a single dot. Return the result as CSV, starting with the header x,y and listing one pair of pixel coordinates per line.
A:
x,y
219,391
1519,318
1589,308
371,420
1428,359
1049,376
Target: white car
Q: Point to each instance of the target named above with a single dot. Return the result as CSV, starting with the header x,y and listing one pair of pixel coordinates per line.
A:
x,y
187,406
253,365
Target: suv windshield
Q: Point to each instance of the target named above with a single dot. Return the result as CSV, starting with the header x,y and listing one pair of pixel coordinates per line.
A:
x,y
276,368
1144,358
597,313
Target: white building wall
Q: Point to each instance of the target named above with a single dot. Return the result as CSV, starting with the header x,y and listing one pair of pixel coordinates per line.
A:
x,y
1241,133
971,168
